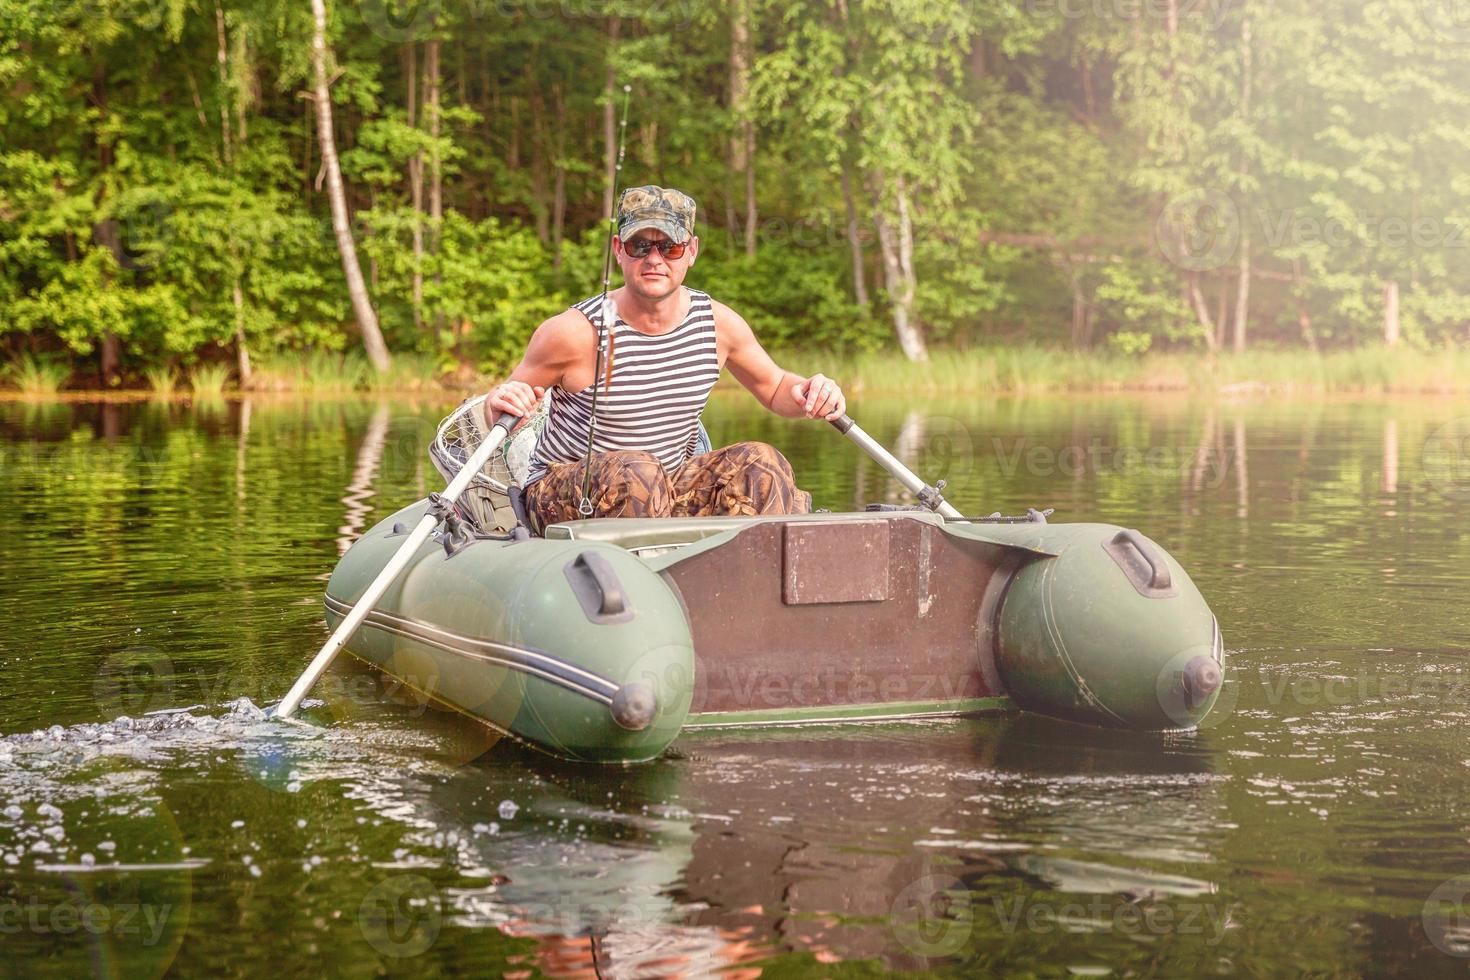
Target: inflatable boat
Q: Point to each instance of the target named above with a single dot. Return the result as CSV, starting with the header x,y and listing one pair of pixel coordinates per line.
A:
x,y
603,639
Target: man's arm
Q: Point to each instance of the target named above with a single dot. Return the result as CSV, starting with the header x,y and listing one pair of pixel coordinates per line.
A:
x,y
782,391
557,348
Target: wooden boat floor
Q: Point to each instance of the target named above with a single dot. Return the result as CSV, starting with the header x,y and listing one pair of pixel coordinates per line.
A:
x,y
841,613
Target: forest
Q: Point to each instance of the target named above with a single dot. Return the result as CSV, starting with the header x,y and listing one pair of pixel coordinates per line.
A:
x,y
245,186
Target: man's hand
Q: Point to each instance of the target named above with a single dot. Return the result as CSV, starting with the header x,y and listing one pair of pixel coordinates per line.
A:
x,y
515,397
820,397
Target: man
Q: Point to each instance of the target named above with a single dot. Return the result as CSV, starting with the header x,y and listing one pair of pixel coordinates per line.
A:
x,y
667,346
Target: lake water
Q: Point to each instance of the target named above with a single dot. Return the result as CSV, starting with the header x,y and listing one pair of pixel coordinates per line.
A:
x,y
163,576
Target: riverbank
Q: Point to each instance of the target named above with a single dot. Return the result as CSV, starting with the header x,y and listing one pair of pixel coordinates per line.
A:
x,y
1034,370
1015,370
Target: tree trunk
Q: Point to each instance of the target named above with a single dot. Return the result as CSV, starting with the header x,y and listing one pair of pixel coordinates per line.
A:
x,y
1089,95
610,116
979,62
1304,322
1391,313
854,240
1202,311
237,295
242,352
742,141
540,144
897,245
246,89
513,152
732,220
1242,291
1222,311
461,83
559,187
436,169
415,182
1243,283
110,360
109,355
648,138
106,233
1081,314
306,144
367,318
750,212
558,214
223,61
1303,317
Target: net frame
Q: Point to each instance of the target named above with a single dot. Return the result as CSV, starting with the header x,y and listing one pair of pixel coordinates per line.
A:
x,y
486,501
458,436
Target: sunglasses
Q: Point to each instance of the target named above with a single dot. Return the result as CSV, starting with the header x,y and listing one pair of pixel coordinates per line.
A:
x,y
637,248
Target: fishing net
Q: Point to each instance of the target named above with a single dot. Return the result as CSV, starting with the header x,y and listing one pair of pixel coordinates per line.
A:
x,y
486,501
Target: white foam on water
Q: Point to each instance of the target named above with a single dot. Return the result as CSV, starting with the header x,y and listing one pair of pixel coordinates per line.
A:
x,y
57,782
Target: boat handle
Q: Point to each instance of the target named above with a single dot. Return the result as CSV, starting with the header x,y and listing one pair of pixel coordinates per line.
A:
x,y
598,591
1159,579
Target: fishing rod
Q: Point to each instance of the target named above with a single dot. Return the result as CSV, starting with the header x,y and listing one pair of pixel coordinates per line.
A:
x,y
607,311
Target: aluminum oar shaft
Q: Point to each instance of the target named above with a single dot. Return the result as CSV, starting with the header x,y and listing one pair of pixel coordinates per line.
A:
x,y
928,496
390,572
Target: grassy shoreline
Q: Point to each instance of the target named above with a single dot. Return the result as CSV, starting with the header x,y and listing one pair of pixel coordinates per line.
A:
x,y
1035,370
1017,371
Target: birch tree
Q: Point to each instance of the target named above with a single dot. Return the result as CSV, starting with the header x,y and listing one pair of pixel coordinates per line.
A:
x,y
362,307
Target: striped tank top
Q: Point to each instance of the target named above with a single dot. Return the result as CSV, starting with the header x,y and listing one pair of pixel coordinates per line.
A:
x,y
660,384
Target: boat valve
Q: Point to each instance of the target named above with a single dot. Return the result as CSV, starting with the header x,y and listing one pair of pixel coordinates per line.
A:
x,y
633,706
1200,678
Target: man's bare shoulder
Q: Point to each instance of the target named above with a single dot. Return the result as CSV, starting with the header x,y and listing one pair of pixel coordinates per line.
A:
x,y
571,323
727,321
568,333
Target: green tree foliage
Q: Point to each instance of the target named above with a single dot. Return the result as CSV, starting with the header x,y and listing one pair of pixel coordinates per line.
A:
x,y
1181,174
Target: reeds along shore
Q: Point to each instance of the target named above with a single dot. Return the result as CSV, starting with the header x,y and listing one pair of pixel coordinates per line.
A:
x,y
1027,369
1016,370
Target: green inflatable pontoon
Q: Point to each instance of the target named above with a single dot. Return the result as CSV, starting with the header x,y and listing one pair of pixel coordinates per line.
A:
x,y
606,638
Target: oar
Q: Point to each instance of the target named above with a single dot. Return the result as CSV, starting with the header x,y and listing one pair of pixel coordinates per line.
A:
x,y
929,496
390,571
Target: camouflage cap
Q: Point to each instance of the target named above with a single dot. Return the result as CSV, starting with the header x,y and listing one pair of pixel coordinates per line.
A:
x,y
662,208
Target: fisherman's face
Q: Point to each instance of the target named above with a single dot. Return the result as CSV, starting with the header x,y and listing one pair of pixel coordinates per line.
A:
x,y
654,277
